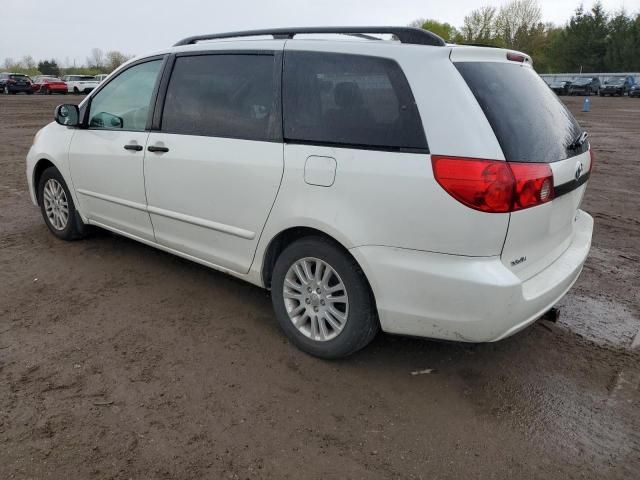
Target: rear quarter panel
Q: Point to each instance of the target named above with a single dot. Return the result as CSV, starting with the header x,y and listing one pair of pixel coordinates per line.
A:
x,y
391,198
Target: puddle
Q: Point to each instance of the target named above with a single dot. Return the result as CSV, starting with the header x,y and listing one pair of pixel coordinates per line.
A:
x,y
601,321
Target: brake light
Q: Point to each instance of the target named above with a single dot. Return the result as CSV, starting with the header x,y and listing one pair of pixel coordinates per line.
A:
x,y
516,57
494,186
11,81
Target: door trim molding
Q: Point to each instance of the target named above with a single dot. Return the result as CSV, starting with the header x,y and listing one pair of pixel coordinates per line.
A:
x,y
220,227
116,200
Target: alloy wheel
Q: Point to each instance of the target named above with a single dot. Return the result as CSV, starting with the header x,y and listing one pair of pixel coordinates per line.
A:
x,y
316,299
55,204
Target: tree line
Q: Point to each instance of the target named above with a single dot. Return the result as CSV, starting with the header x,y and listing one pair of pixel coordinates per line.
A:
x,y
98,62
591,41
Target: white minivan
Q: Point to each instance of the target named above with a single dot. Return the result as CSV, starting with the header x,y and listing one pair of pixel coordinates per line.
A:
x,y
370,182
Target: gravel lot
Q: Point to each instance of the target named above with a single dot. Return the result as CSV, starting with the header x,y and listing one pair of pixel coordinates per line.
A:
x,y
119,361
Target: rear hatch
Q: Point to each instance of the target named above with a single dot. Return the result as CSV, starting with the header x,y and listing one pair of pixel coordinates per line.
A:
x,y
532,126
21,80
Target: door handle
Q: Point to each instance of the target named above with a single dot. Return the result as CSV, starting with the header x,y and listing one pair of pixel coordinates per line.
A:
x,y
153,148
134,147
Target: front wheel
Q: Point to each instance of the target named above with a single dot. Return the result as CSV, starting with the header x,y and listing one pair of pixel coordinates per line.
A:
x,y
6,90
56,205
322,299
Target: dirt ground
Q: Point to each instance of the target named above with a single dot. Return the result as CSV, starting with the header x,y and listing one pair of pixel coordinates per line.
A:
x,y
119,361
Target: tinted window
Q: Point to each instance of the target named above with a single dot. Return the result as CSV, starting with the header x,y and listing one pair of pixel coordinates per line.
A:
x,y
530,122
223,96
124,102
349,99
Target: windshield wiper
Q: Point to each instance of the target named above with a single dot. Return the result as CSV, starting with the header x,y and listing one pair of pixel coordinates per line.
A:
x,y
579,141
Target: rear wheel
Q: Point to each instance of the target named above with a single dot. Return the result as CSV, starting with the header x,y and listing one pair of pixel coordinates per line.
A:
x,y
322,299
56,205
76,91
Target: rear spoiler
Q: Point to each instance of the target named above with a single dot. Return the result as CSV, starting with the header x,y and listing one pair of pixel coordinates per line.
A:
x,y
469,53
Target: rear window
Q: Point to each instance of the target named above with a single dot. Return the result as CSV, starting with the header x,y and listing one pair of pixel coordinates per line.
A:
x,y
351,100
530,122
18,77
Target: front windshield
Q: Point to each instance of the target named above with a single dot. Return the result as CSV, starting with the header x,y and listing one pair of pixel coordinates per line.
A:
x,y
583,81
615,81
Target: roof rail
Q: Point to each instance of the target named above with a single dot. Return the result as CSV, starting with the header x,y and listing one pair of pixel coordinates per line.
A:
x,y
410,35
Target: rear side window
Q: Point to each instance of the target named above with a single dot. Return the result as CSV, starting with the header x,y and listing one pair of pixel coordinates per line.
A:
x,y
349,100
530,122
223,95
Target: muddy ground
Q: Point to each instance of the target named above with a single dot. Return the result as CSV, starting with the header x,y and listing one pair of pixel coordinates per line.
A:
x,y
119,361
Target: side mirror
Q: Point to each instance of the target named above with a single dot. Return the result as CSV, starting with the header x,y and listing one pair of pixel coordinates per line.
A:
x,y
67,115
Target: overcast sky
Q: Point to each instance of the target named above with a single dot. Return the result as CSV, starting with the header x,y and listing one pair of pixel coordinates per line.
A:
x,y
44,29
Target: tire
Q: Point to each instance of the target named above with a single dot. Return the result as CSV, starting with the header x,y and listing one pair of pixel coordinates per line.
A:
x,y
337,269
6,90
70,229
76,91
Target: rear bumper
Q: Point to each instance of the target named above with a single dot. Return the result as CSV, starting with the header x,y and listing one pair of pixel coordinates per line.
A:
x,y
19,88
470,299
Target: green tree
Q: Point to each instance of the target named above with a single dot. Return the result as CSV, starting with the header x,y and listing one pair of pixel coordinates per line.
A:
x,y
445,30
479,26
583,43
517,22
49,67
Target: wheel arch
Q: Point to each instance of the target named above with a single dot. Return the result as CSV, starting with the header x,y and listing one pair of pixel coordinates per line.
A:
x,y
38,170
289,235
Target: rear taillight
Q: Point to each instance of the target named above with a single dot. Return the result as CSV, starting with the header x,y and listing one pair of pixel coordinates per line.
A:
x,y
11,81
494,186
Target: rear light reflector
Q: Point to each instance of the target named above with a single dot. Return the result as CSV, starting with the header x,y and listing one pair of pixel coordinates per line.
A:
x,y
494,186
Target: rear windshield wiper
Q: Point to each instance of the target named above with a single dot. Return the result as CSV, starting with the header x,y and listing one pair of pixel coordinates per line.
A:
x,y
579,141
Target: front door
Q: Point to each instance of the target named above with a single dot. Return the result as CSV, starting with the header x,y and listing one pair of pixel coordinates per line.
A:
x,y
213,170
106,159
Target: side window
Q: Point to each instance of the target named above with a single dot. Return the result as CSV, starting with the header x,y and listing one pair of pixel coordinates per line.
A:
x,y
223,95
125,101
353,100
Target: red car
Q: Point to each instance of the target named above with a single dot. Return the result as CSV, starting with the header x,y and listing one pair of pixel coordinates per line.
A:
x,y
49,85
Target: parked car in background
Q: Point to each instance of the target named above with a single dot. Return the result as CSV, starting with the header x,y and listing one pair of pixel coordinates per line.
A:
x,y
561,87
80,83
618,86
46,85
247,155
635,91
11,83
585,86
100,78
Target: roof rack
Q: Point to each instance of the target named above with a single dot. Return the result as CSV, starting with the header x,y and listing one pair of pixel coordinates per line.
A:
x,y
410,35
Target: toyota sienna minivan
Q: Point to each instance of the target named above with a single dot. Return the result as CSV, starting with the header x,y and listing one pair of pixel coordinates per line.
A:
x,y
372,178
